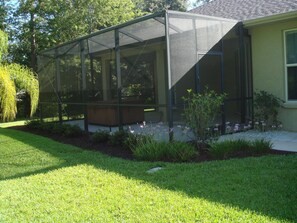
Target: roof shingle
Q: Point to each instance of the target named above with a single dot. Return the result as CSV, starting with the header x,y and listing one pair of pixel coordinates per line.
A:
x,y
243,10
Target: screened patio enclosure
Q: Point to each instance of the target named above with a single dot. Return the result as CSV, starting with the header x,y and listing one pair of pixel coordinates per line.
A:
x,y
140,70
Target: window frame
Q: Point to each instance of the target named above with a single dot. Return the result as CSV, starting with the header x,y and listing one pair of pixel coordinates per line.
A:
x,y
286,66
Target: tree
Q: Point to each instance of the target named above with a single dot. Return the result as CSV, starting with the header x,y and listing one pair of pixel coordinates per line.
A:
x,y
159,5
13,77
43,24
201,2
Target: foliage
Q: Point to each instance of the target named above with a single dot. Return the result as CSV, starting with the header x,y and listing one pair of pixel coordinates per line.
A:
x,y
7,95
201,111
100,136
42,24
4,7
134,140
160,5
260,146
72,131
55,128
266,107
13,77
225,149
3,44
163,151
33,124
118,138
201,2
42,180
26,80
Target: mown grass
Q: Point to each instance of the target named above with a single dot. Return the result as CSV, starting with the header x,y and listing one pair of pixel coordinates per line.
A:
x,y
45,181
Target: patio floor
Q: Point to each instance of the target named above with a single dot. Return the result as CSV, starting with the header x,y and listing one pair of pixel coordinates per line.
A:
x,y
159,131
282,140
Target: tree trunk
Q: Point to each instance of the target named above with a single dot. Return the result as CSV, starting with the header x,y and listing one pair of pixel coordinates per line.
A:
x,y
33,63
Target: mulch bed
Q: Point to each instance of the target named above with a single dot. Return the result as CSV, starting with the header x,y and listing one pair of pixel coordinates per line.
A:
x,y
84,142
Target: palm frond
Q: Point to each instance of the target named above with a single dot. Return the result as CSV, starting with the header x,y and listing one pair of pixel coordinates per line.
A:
x,y
25,79
8,107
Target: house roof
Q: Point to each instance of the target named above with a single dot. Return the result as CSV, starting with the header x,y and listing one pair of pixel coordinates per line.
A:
x,y
244,10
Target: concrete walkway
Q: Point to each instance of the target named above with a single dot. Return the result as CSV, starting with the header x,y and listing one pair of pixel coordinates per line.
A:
x,y
282,140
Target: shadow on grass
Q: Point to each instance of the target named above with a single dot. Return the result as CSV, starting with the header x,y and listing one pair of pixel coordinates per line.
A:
x,y
265,185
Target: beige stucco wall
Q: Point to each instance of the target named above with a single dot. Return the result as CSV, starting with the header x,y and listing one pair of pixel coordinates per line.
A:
x,y
269,65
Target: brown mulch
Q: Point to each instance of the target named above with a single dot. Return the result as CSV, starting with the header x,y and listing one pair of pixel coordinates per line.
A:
x,y
84,142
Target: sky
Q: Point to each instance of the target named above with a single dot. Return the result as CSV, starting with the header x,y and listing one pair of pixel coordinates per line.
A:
x,y
191,4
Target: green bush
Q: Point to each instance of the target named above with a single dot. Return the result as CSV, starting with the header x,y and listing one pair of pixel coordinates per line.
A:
x,y
118,138
201,111
228,148
134,140
72,131
100,136
261,146
33,124
266,108
58,128
47,126
163,151
225,148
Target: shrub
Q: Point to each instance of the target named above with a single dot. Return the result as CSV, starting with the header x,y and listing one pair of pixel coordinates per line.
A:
x,y
156,151
134,140
201,111
33,124
227,148
118,138
58,128
100,136
47,126
72,131
266,107
261,146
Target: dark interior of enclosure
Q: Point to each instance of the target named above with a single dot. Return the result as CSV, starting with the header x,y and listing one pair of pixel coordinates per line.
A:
x,y
140,71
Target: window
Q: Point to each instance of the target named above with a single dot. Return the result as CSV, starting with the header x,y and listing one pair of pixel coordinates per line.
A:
x,y
291,64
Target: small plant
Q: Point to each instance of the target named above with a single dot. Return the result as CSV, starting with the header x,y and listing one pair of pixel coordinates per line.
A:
x,y
163,151
47,126
58,128
72,131
266,107
33,124
201,111
228,148
100,136
225,148
118,138
261,146
134,140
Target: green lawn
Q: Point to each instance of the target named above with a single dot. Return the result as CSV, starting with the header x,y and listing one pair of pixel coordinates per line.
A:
x,y
45,181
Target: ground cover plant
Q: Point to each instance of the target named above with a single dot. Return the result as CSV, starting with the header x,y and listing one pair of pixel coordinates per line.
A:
x,y
141,146
45,181
232,148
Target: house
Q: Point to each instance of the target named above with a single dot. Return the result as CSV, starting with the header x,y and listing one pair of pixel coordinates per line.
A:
x,y
272,26
140,70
